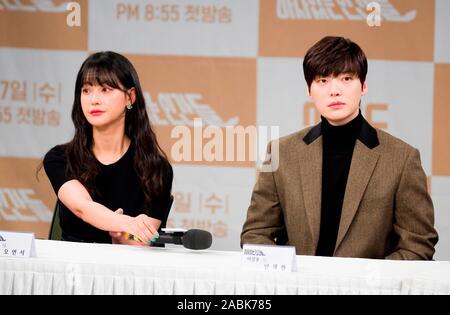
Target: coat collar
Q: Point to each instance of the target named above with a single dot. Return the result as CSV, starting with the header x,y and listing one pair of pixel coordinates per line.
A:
x,y
367,135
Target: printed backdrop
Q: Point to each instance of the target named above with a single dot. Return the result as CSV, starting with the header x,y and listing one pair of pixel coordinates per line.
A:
x,y
226,62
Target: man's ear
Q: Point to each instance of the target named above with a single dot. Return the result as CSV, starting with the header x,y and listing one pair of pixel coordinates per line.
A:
x,y
365,89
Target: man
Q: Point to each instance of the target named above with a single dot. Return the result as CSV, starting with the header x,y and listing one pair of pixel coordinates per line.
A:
x,y
342,188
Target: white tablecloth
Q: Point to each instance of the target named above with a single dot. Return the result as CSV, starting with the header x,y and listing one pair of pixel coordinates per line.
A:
x,y
75,268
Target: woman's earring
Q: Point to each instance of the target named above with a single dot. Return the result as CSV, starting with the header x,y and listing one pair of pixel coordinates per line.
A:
x,y
129,106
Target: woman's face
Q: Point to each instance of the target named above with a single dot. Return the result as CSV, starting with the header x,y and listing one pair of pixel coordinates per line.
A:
x,y
102,105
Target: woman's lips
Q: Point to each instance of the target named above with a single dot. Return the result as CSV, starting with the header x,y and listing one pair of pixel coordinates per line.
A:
x,y
96,112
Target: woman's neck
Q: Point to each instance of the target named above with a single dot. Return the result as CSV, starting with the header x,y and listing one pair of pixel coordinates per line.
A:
x,y
109,144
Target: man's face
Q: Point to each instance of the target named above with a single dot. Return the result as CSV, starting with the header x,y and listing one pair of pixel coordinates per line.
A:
x,y
337,98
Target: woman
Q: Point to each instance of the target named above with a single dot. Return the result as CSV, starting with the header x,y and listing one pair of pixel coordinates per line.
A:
x,y
113,176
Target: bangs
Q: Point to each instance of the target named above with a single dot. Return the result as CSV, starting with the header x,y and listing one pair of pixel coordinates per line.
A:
x,y
97,74
339,66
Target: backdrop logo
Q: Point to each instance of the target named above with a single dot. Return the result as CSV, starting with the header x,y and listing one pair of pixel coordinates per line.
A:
x,y
180,109
340,10
25,202
16,205
219,92
44,24
33,6
399,24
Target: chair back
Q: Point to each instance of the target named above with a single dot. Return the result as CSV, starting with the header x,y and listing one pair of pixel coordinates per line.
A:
x,y
55,227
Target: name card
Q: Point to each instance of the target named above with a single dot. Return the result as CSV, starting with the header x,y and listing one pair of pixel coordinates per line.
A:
x,y
269,258
17,245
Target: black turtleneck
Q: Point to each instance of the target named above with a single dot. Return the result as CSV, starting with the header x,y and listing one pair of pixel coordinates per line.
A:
x,y
338,145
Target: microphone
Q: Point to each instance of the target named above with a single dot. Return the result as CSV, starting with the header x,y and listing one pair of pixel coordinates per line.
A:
x,y
191,239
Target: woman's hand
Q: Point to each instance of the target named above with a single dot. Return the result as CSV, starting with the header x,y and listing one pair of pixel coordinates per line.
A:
x,y
141,228
138,231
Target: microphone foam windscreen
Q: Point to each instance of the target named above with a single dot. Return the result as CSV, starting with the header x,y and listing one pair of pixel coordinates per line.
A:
x,y
197,239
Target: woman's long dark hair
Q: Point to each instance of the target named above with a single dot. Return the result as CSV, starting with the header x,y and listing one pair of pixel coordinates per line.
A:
x,y
150,162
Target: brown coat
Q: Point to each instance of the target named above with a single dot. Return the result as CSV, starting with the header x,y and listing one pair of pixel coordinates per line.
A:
x,y
387,211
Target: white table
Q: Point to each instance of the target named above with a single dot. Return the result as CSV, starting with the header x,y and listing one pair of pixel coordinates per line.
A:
x,y
75,268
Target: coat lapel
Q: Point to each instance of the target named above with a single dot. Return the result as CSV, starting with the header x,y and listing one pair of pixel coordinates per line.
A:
x,y
311,177
363,164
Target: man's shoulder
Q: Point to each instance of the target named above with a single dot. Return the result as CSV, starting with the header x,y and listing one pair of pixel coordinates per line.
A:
x,y
390,143
295,138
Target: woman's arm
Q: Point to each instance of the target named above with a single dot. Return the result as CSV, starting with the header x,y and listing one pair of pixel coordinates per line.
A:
x,y
77,199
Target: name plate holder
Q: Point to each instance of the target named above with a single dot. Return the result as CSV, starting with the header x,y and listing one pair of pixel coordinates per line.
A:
x,y
17,245
269,258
